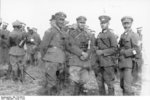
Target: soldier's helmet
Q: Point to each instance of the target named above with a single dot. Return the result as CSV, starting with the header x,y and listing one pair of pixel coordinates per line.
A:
x,y
81,19
17,23
126,19
60,15
104,19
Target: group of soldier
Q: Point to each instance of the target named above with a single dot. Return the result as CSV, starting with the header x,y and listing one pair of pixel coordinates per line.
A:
x,y
18,49
72,52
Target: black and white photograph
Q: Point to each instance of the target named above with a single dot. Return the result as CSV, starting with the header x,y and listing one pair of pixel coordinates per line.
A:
x,y
74,48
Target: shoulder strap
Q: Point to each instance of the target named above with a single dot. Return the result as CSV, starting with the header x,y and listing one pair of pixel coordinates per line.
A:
x,y
77,35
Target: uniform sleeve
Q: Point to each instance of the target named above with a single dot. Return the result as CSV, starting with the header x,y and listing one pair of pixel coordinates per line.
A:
x,y
72,48
113,46
134,46
46,41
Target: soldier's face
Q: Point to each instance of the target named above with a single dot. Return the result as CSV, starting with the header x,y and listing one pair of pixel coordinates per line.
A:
x,y
60,22
127,25
81,24
104,25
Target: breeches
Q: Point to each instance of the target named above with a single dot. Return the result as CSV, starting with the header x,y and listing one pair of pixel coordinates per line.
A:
x,y
50,73
126,80
16,62
106,75
83,76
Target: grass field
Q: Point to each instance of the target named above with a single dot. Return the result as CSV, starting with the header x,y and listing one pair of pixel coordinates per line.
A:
x,y
31,87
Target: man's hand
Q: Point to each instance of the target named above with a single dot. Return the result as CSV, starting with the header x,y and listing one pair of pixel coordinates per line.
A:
x,y
134,52
83,58
99,52
84,54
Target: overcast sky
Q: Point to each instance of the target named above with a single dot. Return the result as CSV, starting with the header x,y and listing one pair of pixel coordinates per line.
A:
x,y
36,13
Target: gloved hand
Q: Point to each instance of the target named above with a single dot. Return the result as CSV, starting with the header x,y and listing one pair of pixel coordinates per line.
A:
x,y
85,55
83,58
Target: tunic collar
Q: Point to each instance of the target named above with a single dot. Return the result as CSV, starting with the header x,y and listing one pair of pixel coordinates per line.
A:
x,y
127,31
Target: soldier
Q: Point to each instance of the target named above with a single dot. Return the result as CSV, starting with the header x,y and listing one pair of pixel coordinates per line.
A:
x,y
33,42
37,49
17,52
106,48
81,48
137,64
129,51
53,54
4,44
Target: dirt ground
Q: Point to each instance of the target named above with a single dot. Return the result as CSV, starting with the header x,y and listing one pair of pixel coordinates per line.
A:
x,y
31,87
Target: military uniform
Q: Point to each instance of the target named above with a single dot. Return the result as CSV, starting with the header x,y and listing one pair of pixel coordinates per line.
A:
x,y
129,51
106,43
80,70
4,46
53,54
137,65
33,42
17,52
